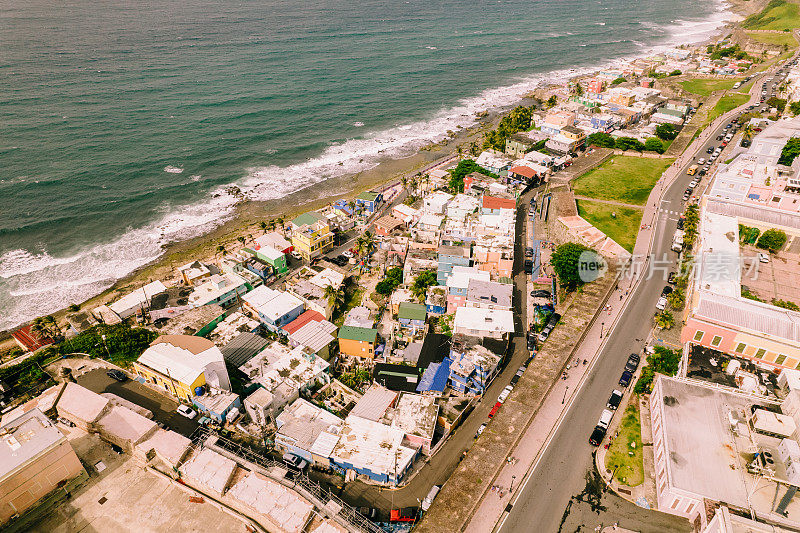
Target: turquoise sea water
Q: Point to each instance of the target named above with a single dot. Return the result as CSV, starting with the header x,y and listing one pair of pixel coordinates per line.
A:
x,y
121,121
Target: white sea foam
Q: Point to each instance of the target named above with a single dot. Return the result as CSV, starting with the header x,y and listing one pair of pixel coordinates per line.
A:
x,y
358,124
34,282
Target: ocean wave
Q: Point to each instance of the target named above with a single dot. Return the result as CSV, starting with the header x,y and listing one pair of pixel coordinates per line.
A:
x,y
34,282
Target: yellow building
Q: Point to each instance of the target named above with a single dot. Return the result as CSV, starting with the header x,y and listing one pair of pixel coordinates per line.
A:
x,y
181,363
312,240
358,342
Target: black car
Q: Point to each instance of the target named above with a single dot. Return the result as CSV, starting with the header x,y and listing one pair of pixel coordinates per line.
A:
x,y
528,252
531,342
710,150
540,293
625,378
720,137
597,436
528,265
632,364
119,375
514,379
681,222
614,401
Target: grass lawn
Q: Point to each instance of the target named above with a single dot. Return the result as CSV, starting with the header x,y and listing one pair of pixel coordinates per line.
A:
x,y
725,104
627,462
626,179
622,228
777,15
778,39
704,87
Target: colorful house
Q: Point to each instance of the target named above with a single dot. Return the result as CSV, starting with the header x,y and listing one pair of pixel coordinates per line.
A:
x,y
358,342
369,201
273,257
274,308
306,219
179,364
450,256
493,205
412,317
386,225
312,240
518,144
458,285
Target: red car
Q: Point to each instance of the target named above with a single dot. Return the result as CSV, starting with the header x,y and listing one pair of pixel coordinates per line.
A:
x,y
406,514
494,409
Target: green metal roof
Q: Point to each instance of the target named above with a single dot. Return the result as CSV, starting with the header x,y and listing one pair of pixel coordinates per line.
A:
x,y
307,218
411,311
368,195
354,333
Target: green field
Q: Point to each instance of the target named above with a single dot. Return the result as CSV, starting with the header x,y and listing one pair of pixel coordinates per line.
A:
x,y
622,227
704,87
626,179
625,461
778,39
777,15
725,104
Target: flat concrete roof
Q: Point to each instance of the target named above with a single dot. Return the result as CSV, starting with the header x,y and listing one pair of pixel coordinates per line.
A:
x,y
24,439
81,403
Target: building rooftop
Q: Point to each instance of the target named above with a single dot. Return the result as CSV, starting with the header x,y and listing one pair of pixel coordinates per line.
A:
x,y
274,240
181,357
374,403
25,438
327,277
372,445
243,347
303,422
278,364
359,317
315,335
283,506
137,298
126,425
461,276
271,303
396,377
215,400
307,219
415,414
369,196
489,292
209,468
170,446
215,287
230,328
479,320
81,403
718,265
434,378
356,333
411,311
756,317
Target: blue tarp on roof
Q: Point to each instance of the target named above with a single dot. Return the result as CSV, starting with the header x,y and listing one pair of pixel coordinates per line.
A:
x,y
753,196
434,379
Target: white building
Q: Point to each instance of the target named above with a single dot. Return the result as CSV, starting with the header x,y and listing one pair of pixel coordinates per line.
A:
x,y
477,322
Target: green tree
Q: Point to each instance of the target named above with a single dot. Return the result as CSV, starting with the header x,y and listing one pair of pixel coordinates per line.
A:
x,y
263,225
777,103
465,167
334,296
790,150
666,132
551,102
654,144
392,280
665,320
46,327
675,72
618,81
628,143
601,139
772,240
565,261
421,283
221,251
794,107
677,299
365,243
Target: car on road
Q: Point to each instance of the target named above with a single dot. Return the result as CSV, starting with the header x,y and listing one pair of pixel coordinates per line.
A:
x,y
710,150
633,363
625,378
406,514
294,461
720,137
701,161
428,501
494,410
693,184
185,410
528,252
661,304
531,341
528,265
504,394
119,375
480,430
686,195
541,293
614,401
551,323
600,429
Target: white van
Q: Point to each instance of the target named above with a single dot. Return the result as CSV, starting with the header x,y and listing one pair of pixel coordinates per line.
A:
x,y
428,501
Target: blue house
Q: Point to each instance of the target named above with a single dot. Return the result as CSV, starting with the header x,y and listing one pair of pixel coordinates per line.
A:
x,y
434,379
450,256
274,308
436,300
259,268
369,201
411,316
472,371
217,404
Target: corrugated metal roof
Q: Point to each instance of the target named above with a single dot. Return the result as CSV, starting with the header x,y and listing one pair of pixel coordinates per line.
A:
x,y
435,377
749,315
759,213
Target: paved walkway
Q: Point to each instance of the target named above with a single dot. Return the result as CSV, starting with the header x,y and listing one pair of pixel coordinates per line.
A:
x,y
609,202
523,457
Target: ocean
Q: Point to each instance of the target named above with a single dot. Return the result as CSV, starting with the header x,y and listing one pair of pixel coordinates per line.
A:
x,y
123,122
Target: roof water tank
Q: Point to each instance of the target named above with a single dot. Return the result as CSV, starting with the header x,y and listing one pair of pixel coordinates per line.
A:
x,y
198,391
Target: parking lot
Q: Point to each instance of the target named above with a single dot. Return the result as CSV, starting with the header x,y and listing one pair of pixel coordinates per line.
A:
x,y
777,279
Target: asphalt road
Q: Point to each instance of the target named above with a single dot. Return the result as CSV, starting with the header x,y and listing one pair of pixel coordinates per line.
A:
x,y
162,406
559,492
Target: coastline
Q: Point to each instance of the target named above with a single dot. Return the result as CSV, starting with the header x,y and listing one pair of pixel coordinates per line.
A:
x,y
245,215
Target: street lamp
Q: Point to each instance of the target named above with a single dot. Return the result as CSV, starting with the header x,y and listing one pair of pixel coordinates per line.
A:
x,y
601,329
512,483
564,399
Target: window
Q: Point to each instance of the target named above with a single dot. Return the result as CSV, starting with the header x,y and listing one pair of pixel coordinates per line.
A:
x,y
760,353
781,358
716,340
740,348
698,336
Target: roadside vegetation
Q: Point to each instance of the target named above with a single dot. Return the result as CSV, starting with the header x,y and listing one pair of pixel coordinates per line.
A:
x,y
775,39
725,104
625,179
704,87
565,261
777,15
625,457
661,361
618,222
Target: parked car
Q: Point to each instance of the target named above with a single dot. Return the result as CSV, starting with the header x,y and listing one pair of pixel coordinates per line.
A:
x,y
666,291
701,161
119,375
293,461
600,429
296,255
614,401
633,363
693,184
406,514
528,265
185,410
348,254
428,501
528,252
762,257
551,323
625,378
661,304
480,430
495,409
686,195
541,293
710,150
531,341
504,394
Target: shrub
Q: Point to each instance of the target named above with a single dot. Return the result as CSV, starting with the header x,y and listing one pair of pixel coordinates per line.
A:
x,y
666,132
603,140
394,277
772,240
628,143
565,261
654,144
790,150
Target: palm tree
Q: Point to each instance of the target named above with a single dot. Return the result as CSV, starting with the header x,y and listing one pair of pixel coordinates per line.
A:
x,y
46,326
404,181
264,226
280,223
665,320
221,251
241,239
747,133
334,296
